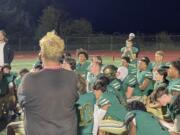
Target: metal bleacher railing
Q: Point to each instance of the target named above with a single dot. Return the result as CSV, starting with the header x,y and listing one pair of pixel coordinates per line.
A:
x,y
105,42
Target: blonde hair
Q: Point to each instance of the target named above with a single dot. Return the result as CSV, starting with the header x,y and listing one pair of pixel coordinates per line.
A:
x,y
52,46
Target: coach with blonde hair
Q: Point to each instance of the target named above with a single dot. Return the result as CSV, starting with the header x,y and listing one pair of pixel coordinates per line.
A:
x,y
48,96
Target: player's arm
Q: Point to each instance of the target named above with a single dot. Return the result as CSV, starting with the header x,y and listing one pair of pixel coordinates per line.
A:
x,y
144,85
132,128
99,114
176,125
131,85
24,93
129,92
168,125
124,50
173,133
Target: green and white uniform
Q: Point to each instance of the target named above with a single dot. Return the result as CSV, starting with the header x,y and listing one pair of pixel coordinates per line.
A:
x,y
37,63
147,124
11,79
85,106
141,76
128,53
11,76
174,85
116,111
174,112
132,68
158,84
129,81
115,87
150,67
83,68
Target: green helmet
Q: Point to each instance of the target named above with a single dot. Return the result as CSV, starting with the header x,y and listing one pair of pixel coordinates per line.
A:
x,y
110,72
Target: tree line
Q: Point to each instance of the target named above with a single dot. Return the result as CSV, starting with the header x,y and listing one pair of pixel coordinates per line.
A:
x,y
33,18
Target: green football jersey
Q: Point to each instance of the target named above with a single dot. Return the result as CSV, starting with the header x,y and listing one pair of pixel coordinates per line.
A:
x,y
158,84
11,76
115,87
85,106
147,124
173,109
150,66
141,76
129,81
116,111
132,68
37,63
116,84
83,68
174,85
18,81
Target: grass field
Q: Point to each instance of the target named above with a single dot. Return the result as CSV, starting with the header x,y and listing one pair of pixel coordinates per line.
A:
x,y
27,59
28,63
22,63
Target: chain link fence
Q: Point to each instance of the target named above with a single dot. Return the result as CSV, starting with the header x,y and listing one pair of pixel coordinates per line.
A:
x,y
104,42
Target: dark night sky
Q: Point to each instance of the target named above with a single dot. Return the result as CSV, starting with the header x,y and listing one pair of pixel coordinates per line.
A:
x,y
147,16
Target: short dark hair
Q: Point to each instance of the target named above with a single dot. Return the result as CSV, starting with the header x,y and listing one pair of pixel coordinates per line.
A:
x,y
126,58
6,66
84,53
136,105
146,60
39,66
67,55
23,71
159,92
101,83
71,62
163,72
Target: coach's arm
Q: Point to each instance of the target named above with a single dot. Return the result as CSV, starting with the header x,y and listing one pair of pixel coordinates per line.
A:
x,y
24,92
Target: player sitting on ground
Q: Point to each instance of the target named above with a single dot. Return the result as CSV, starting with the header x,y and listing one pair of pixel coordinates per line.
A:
x,y
163,97
140,122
